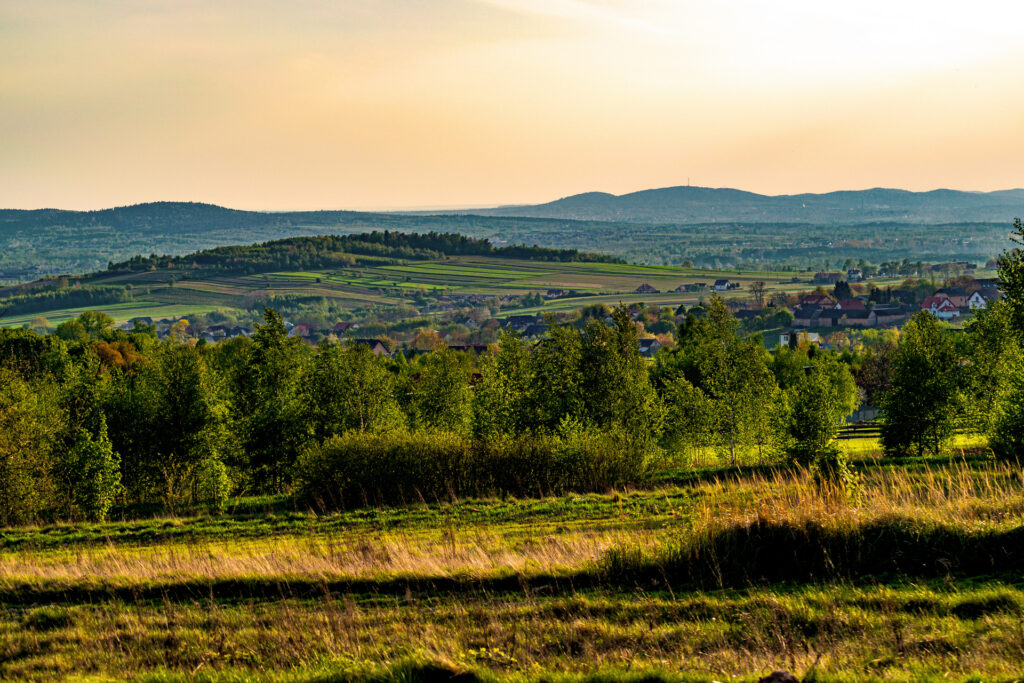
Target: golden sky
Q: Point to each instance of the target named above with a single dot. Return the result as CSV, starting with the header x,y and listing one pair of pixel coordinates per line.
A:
x,y
271,104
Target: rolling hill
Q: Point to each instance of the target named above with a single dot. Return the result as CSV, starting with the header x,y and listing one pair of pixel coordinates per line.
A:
x,y
686,204
715,228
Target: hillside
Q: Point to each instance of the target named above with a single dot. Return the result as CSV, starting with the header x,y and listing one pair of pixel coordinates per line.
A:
x,y
44,242
688,204
418,273
711,228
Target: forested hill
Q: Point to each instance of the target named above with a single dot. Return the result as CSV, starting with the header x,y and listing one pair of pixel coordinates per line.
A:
x,y
38,243
713,205
326,251
158,219
49,241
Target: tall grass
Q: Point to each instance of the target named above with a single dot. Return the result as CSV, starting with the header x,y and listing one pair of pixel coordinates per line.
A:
x,y
955,521
583,587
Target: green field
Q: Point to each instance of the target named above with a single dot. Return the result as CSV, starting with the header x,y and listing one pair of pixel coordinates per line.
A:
x,y
558,588
362,286
120,312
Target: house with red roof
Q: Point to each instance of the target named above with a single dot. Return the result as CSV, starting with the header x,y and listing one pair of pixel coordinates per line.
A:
x,y
816,300
941,307
851,305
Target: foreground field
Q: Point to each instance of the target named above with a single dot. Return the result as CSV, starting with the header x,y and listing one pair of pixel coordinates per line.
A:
x,y
916,578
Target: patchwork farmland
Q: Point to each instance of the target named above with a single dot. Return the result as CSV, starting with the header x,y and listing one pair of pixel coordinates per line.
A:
x,y
160,294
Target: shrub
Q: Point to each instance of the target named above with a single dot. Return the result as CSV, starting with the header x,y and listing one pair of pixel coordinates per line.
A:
x,y
359,468
1006,436
213,484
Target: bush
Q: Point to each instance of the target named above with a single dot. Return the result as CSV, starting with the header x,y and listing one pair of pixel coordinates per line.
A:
x,y
213,484
1006,437
832,471
363,469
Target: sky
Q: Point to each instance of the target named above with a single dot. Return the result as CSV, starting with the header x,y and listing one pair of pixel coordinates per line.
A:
x,y
307,104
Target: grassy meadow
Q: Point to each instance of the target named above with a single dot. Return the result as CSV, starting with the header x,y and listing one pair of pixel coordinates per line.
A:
x,y
708,573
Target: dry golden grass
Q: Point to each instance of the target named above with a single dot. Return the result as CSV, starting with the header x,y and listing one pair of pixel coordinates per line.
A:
x,y
968,495
380,556
929,629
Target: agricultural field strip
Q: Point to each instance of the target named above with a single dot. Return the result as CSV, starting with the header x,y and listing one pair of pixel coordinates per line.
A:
x,y
120,312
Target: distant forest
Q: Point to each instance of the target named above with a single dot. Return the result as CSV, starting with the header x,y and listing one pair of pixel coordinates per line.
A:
x,y
328,251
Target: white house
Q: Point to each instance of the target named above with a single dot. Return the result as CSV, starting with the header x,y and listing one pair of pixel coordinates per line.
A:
x,y
980,299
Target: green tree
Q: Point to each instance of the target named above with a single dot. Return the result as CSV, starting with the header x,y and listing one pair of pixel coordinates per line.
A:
x,y
921,404
820,399
96,474
441,397
991,347
267,410
615,384
95,323
1011,277
1006,427
732,372
73,331
842,291
691,417
556,362
29,423
349,388
167,420
501,398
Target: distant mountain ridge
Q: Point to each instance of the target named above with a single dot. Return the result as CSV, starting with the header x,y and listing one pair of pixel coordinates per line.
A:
x,y
691,204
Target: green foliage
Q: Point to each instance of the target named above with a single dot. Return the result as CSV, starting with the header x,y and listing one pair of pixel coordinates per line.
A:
x,y
691,417
349,388
331,251
441,397
64,297
921,406
557,377
733,372
1011,277
501,399
213,484
357,469
1006,426
833,473
166,419
819,400
267,408
32,354
616,389
28,426
97,476
992,347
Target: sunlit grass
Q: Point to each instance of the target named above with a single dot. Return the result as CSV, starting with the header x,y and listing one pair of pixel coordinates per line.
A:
x,y
519,589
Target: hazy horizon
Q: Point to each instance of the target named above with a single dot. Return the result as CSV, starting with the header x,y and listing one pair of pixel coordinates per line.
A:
x,y
477,103
469,207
